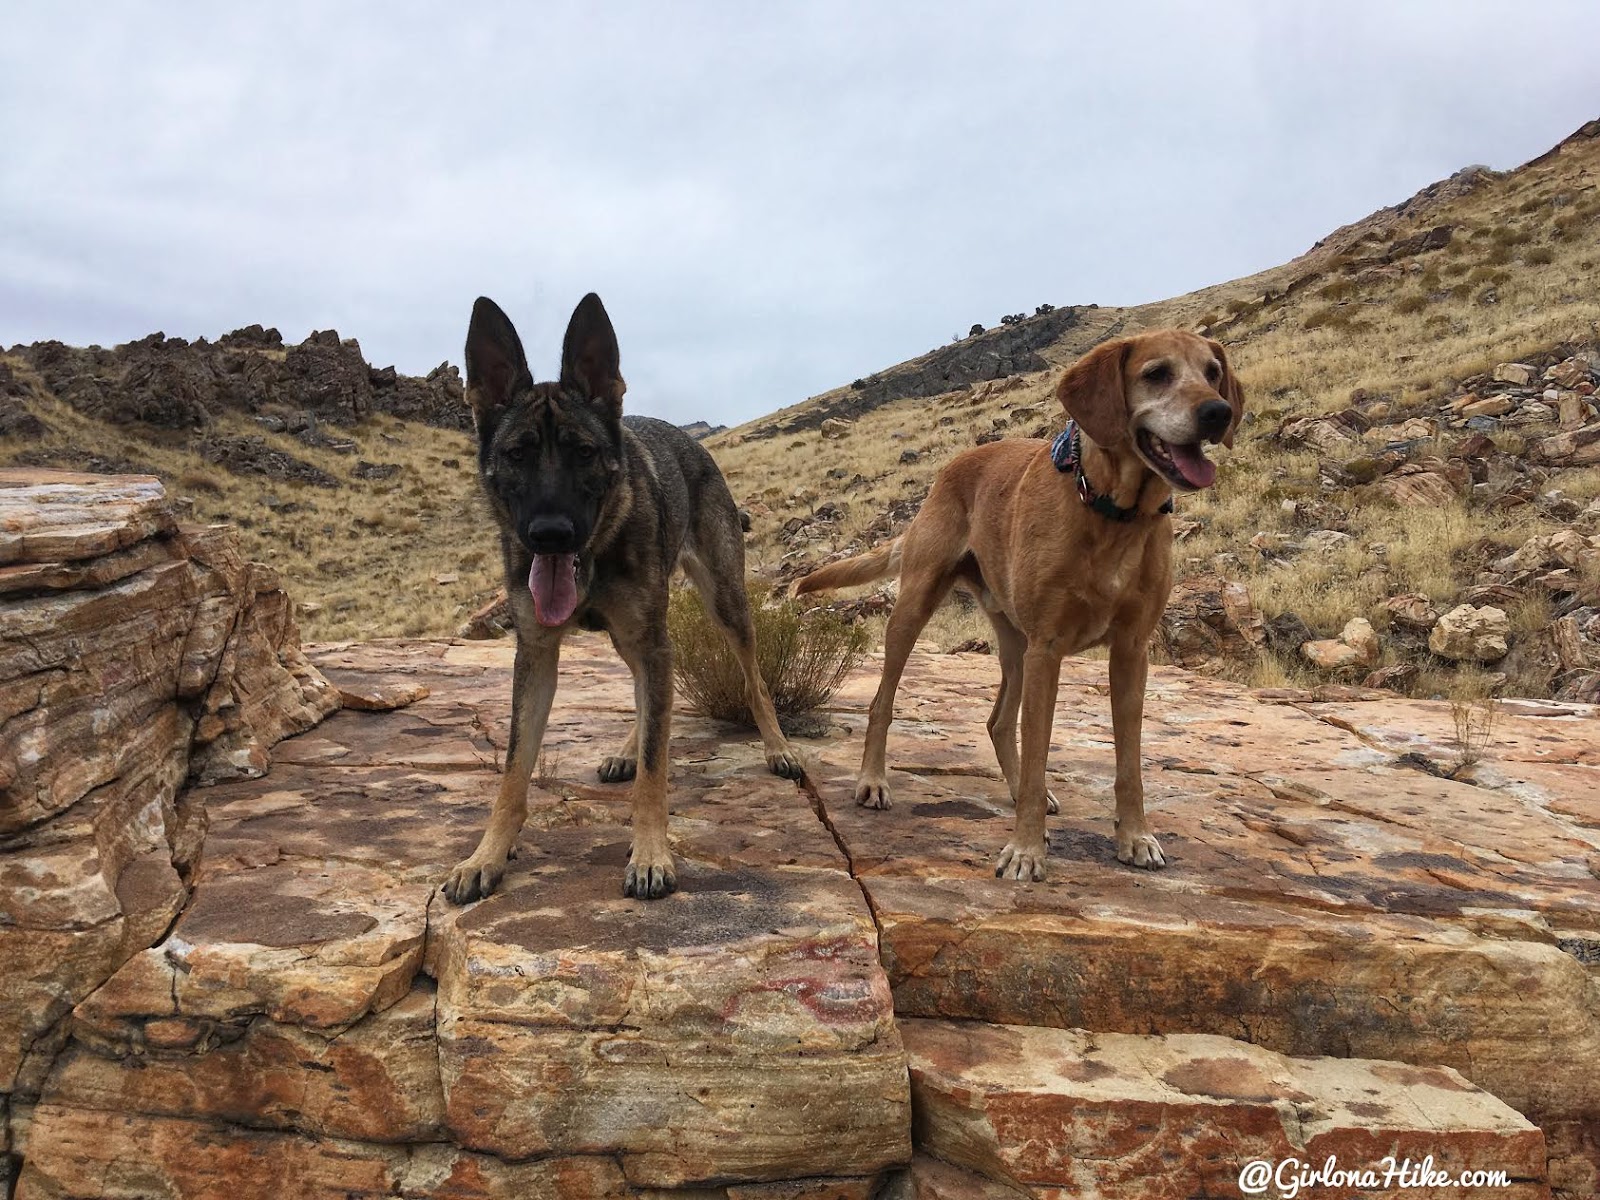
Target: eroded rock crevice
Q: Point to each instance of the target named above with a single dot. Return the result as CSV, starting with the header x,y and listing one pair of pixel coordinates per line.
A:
x,y
1343,955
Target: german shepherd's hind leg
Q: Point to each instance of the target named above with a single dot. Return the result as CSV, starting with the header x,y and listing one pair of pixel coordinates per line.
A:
x,y
1023,856
1009,646
720,586
622,766
533,689
648,653
1130,665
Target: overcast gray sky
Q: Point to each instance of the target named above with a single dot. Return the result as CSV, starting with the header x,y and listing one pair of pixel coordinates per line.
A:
x,y
772,199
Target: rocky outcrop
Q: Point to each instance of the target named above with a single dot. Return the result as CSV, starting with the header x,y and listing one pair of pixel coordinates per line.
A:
x,y
1116,1114
1007,349
317,1004
135,656
172,383
1324,897
1349,953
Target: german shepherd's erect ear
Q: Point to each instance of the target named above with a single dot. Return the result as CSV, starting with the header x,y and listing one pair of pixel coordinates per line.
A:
x,y
590,360
1229,390
1095,395
496,365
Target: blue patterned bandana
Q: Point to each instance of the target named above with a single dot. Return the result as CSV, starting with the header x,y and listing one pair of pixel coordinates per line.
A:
x,y
1067,455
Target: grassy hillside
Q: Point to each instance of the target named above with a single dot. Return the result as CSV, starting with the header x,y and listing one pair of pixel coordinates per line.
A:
x,y
1389,321
1378,315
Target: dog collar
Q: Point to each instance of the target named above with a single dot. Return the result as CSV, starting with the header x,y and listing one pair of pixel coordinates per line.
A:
x,y
1067,455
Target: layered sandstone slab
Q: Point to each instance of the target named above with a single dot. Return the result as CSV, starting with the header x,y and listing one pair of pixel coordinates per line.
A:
x,y
135,655
1322,897
733,1036
1055,1112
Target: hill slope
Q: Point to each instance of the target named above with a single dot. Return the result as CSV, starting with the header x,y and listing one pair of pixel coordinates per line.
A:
x,y
358,483
1396,319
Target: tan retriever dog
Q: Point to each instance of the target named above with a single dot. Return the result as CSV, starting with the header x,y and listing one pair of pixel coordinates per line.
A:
x,y
1065,547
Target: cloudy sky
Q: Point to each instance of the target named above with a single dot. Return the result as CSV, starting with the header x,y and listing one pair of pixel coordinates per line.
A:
x,y
772,199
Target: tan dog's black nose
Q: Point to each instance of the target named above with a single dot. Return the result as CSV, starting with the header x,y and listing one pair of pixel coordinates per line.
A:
x,y
1213,417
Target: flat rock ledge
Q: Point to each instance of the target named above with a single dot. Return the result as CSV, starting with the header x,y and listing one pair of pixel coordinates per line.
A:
x,y
1349,953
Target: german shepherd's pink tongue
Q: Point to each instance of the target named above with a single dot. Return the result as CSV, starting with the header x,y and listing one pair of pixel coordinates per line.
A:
x,y
1193,464
553,580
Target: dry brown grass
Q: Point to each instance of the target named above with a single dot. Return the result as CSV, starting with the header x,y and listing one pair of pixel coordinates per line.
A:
x,y
360,558
1396,333
802,656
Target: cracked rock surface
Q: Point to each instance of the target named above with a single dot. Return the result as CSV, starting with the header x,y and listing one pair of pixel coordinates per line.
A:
x,y
253,987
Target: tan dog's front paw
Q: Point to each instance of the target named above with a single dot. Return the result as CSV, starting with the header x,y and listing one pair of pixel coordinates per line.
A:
x,y
474,879
1021,863
618,768
785,764
873,793
1140,850
650,875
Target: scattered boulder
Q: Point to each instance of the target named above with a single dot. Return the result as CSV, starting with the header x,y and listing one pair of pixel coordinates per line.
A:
x,y
1287,632
1518,374
1359,635
1326,435
1332,655
1411,611
835,427
1357,646
1209,622
253,456
1325,541
1468,634
492,620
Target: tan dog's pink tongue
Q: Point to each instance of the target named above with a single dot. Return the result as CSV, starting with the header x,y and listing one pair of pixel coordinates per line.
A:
x,y
553,580
1193,464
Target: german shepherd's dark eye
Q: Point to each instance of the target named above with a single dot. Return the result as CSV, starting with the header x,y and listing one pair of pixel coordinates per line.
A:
x,y
1157,373
583,452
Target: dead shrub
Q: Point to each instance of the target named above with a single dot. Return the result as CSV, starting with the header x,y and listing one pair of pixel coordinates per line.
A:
x,y
803,657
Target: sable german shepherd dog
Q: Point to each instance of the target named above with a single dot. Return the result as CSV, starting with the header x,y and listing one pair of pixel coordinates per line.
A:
x,y
595,510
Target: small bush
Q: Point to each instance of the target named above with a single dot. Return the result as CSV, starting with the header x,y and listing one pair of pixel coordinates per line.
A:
x,y
803,657
1412,302
1539,256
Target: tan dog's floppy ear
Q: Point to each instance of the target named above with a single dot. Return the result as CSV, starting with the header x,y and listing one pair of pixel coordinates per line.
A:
x,y
496,366
590,360
1095,394
1229,390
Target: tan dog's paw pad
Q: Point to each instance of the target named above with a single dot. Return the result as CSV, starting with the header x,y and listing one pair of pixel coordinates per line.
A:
x,y
872,793
618,768
473,880
648,877
1141,851
1021,863
786,764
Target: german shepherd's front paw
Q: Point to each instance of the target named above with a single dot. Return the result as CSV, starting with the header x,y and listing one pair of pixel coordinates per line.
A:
x,y
1140,850
618,768
1021,863
473,879
650,875
785,764
873,793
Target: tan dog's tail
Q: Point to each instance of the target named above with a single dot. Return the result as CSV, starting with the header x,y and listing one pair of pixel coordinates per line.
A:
x,y
863,568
